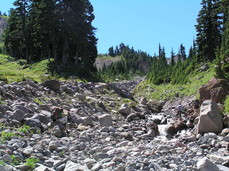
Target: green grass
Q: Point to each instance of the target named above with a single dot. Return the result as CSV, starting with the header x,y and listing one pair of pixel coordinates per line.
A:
x,y
2,163
18,70
226,105
6,136
24,129
31,162
108,57
5,17
169,91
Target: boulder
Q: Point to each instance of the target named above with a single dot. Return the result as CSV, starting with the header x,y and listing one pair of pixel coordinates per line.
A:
x,y
33,122
152,126
125,109
52,84
175,127
210,119
134,116
71,166
154,106
80,96
18,115
2,168
215,89
206,165
226,121
105,120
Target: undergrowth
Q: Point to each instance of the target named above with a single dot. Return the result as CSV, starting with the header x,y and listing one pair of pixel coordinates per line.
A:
x,y
169,91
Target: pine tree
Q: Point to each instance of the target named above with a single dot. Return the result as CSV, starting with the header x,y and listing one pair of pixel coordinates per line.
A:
x,y
16,33
111,51
172,58
208,30
182,52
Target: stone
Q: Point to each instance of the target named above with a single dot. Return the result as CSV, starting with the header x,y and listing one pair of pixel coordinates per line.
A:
x,y
226,121
125,109
6,158
52,85
18,115
33,122
88,121
215,89
71,166
154,106
210,120
206,165
134,116
67,89
53,145
22,108
96,167
80,96
143,101
90,162
56,131
2,168
105,120
42,168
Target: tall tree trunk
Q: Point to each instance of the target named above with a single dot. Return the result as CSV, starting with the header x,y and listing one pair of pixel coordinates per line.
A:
x,y
65,50
76,58
53,42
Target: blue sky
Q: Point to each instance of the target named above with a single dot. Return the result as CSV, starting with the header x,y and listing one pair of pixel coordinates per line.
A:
x,y
142,24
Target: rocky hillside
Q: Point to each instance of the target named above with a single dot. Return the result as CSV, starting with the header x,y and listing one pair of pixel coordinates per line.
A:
x,y
108,128
102,61
3,24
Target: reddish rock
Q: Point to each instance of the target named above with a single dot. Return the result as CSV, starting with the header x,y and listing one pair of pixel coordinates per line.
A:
x,y
175,127
215,89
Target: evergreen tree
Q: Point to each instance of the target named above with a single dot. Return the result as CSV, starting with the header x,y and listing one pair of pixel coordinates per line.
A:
x,y
172,58
16,33
182,52
111,51
61,29
208,30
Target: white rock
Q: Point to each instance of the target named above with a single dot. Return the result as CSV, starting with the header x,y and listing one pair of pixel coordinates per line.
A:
x,y
71,166
211,119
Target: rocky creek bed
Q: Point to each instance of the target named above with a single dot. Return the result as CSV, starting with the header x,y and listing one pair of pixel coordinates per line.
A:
x,y
109,129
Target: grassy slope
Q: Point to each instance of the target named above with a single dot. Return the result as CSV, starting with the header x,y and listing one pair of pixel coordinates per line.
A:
x,y
168,91
11,70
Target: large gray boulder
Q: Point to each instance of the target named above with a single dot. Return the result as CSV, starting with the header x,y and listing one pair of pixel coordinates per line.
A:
x,y
206,165
210,119
18,115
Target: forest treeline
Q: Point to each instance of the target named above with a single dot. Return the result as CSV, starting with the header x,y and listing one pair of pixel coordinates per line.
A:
x,y
62,30
59,29
211,45
132,63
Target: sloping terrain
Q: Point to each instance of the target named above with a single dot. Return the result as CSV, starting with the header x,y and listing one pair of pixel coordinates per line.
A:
x,y
102,61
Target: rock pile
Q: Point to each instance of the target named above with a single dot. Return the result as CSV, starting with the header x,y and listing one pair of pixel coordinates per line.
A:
x,y
104,132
